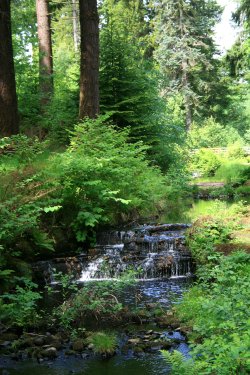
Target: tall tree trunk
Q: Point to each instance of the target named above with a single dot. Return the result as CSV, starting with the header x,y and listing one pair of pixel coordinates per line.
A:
x,y
188,113
89,70
45,51
76,35
8,97
187,99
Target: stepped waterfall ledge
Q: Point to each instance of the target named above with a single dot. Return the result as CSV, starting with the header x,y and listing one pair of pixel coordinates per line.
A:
x,y
153,251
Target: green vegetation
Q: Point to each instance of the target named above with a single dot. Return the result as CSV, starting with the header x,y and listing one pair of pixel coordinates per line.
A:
x,y
89,141
179,364
212,134
216,308
218,313
19,309
95,299
82,187
103,343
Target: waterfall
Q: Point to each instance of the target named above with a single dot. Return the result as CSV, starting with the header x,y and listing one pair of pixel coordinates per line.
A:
x,y
152,251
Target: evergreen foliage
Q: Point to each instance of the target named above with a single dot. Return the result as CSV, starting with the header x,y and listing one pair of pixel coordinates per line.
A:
x,y
186,49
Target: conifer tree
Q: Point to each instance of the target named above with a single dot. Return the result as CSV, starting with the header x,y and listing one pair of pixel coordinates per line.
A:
x,y
89,59
8,97
45,51
186,48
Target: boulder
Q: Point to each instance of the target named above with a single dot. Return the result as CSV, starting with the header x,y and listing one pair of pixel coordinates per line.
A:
x,y
50,352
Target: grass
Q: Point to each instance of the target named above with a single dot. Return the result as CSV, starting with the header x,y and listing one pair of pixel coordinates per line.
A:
x,y
231,171
103,343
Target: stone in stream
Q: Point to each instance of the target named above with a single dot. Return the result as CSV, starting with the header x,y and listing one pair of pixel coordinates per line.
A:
x,y
78,345
50,352
134,341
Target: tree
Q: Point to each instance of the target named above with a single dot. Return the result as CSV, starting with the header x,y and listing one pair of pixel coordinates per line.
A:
x,y
8,97
45,51
242,13
128,85
75,13
186,48
89,59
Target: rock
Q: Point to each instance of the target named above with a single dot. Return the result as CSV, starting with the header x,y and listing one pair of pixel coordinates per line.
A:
x,y
78,345
166,344
39,341
8,336
16,356
155,348
138,350
50,352
5,343
134,341
84,355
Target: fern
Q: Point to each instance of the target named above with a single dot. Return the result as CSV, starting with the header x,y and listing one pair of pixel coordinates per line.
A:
x,y
179,364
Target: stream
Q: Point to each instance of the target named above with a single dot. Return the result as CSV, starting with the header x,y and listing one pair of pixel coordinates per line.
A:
x,y
123,363
164,271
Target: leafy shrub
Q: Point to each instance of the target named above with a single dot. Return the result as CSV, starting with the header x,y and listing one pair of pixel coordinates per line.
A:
x,y
203,237
205,162
23,148
19,308
103,343
212,134
236,151
98,299
219,315
104,178
214,229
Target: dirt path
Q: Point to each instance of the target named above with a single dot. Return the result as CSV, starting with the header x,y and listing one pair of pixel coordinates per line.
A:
x,y
210,184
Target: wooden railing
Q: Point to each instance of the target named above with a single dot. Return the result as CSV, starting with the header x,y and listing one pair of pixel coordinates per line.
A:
x,y
222,150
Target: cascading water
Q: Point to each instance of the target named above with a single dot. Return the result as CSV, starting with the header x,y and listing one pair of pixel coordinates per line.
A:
x,y
152,251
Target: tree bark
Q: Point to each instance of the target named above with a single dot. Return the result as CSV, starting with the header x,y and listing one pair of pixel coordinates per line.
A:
x,y
185,83
89,63
76,35
8,97
188,113
45,51
187,99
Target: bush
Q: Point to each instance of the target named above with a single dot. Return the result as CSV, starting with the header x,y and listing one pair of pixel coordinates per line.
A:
x,y
205,162
236,151
103,178
234,173
212,134
21,147
98,299
219,315
203,238
214,229
19,308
